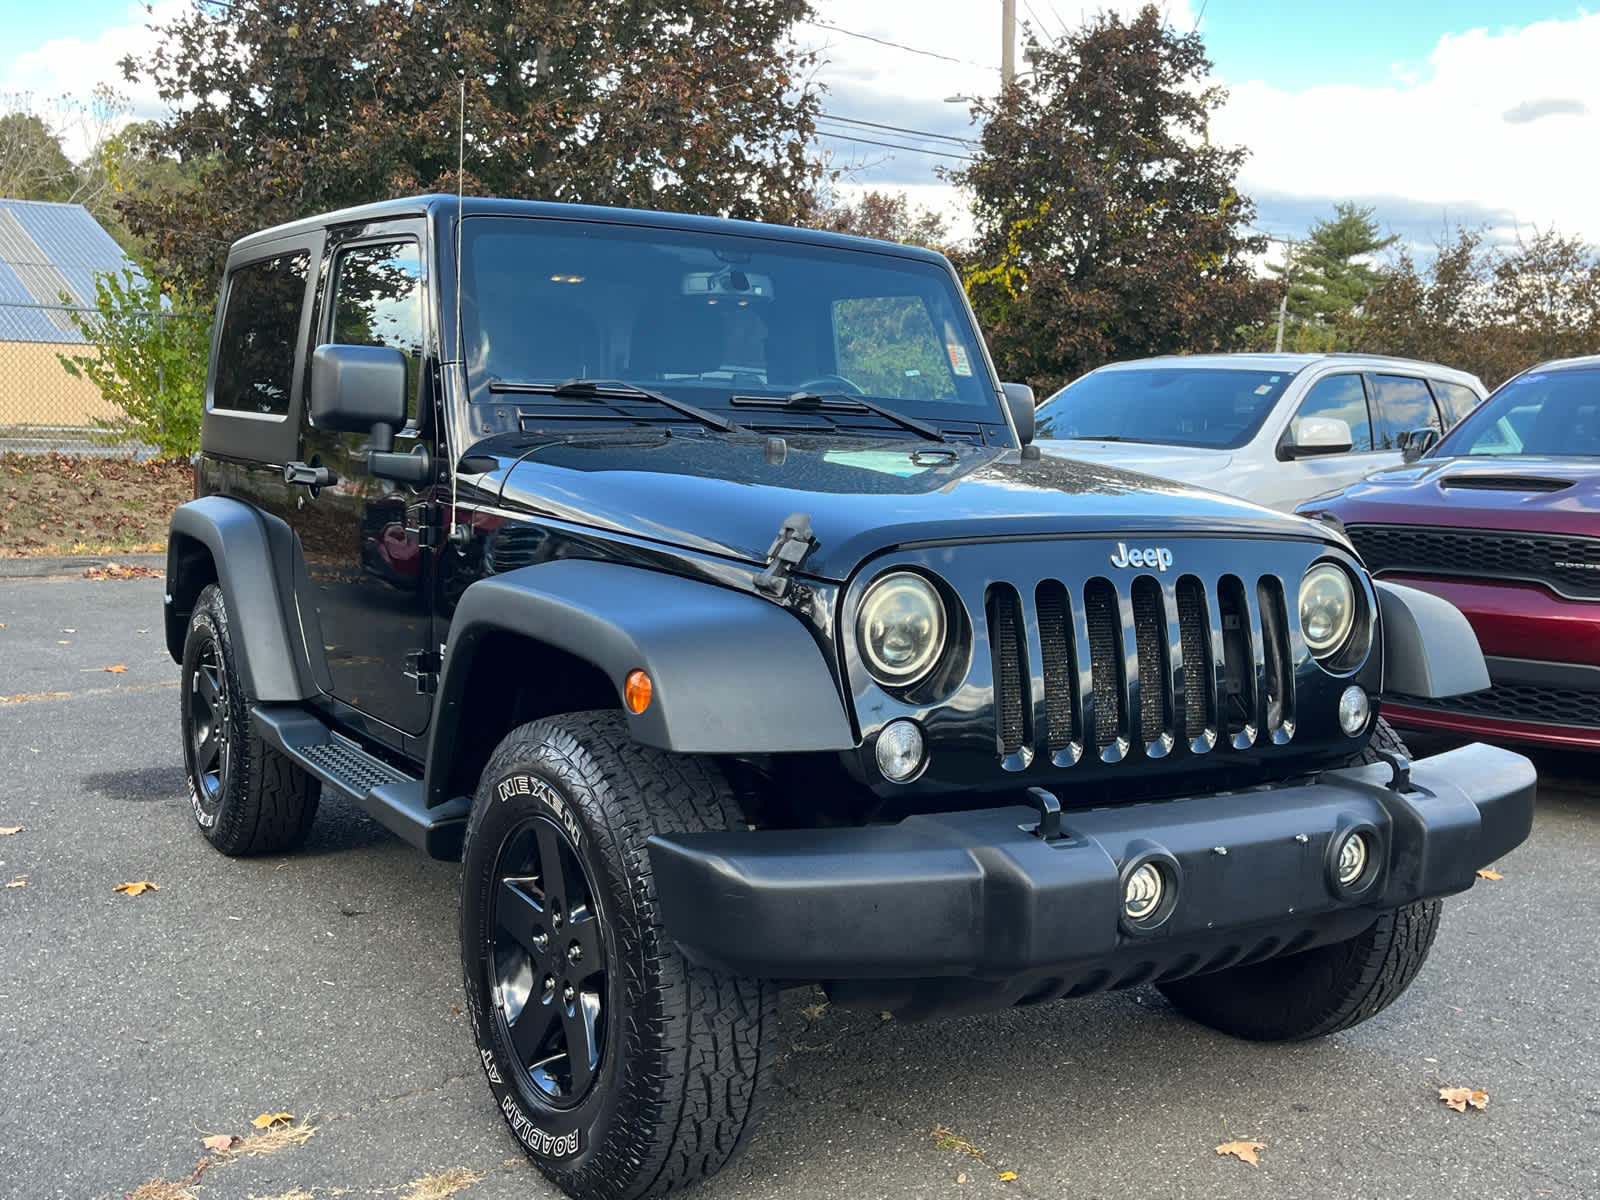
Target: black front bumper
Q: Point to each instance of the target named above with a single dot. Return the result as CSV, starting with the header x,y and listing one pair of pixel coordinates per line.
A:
x,y
979,895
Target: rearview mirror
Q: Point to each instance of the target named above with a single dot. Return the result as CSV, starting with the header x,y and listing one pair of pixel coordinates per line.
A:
x,y
1310,436
1019,402
360,389
1414,443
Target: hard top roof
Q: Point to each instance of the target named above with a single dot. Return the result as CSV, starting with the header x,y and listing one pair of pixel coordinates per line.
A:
x,y
1291,363
438,205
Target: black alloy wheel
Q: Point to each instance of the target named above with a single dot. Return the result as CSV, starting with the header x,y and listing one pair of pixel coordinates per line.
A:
x,y
208,711
549,962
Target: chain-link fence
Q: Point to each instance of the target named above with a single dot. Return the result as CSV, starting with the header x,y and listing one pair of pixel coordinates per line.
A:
x,y
43,407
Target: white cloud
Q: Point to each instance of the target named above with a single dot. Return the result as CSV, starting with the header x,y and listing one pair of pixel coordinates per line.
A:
x,y
1501,122
67,70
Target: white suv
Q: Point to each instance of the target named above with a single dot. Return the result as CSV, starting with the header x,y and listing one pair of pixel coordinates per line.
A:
x,y
1277,429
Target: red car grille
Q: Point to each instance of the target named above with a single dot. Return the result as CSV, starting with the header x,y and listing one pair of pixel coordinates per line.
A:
x,y
1518,702
1568,566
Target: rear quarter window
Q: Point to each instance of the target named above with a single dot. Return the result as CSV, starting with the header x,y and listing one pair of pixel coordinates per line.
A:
x,y
260,327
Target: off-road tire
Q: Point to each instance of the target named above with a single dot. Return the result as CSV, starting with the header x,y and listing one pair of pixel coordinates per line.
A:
x,y
686,1052
249,798
1325,989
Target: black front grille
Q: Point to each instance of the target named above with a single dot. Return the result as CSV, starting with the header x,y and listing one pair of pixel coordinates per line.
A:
x,y
1125,695
1518,702
1568,565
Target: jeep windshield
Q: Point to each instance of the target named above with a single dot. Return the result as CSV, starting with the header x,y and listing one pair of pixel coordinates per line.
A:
x,y
1170,405
704,317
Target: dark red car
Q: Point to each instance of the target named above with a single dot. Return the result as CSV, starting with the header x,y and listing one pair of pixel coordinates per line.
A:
x,y
1502,518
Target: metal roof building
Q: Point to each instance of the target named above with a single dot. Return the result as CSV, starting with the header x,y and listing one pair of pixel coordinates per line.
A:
x,y
46,250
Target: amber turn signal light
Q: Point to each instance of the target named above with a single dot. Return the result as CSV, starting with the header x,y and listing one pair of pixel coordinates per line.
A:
x,y
636,691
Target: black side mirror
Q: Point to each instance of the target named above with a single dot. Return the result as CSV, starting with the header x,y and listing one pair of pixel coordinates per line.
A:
x,y
360,389
1019,402
1415,443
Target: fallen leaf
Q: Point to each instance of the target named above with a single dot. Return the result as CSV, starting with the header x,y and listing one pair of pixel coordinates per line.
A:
x,y
19,881
219,1143
1007,1176
268,1120
1458,1098
8,830
1243,1151
69,631
962,1178
138,888
1490,873
117,670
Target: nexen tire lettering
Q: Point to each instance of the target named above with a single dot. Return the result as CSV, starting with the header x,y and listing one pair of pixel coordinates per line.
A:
x,y
536,1139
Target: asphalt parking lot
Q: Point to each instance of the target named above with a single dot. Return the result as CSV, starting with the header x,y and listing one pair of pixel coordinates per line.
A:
x,y
325,984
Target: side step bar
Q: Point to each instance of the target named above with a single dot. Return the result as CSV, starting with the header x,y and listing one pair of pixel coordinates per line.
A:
x,y
385,793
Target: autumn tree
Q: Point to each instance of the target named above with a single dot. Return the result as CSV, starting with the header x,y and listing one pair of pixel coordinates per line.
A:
x,y
1108,222
297,106
889,217
1486,309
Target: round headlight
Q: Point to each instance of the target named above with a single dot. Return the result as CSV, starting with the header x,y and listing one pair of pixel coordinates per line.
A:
x,y
1327,608
901,628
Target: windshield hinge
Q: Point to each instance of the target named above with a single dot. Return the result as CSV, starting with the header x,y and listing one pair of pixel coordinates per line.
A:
x,y
788,550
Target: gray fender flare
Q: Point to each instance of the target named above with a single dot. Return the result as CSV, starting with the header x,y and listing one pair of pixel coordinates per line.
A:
x,y
255,586
1429,649
731,673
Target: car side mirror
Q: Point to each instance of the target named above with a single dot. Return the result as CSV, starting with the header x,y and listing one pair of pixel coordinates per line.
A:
x,y
1310,436
1414,443
1019,403
360,389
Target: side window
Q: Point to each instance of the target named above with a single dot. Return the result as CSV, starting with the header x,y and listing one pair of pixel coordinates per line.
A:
x,y
260,328
1341,396
377,301
888,345
1456,399
1402,404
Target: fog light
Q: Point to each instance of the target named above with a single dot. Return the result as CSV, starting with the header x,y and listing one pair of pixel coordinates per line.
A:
x,y
1352,859
1354,709
1141,895
900,750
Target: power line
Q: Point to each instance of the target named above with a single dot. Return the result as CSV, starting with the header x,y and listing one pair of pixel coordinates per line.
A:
x,y
851,137
943,137
867,37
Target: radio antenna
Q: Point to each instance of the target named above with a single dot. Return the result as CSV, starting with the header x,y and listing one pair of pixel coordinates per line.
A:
x,y
458,533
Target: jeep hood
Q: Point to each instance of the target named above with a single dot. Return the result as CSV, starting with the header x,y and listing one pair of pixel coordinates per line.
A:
x,y
1188,464
1512,491
729,496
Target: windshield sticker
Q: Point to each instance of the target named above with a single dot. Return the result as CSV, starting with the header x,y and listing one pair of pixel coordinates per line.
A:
x,y
1263,389
958,358
884,462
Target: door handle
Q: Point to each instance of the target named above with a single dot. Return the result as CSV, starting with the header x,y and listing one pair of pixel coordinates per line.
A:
x,y
317,477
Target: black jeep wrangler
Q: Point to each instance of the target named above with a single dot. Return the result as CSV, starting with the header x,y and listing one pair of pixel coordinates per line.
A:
x,y
695,582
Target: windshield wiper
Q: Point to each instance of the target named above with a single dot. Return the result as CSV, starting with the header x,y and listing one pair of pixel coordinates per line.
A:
x,y
842,402
616,389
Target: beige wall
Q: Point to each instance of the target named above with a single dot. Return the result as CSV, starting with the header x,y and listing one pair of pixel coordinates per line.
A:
x,y
34,390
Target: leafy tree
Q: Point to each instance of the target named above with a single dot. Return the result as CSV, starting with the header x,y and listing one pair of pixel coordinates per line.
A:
x,y
1492,311
297,106
891,218
1108,223
32,164
1328,274
149,362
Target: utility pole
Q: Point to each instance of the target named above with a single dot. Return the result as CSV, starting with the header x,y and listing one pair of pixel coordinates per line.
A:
x,y
1283,304
1008,42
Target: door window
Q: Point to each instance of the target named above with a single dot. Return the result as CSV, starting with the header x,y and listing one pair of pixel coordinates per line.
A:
x,y
1403,404
377,301
1456,399
260,328
1343,397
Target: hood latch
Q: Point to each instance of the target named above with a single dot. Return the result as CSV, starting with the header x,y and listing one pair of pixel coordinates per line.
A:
x,y
788,550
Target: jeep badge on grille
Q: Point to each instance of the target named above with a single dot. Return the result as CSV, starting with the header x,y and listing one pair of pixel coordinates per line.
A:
x,y
1158,557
